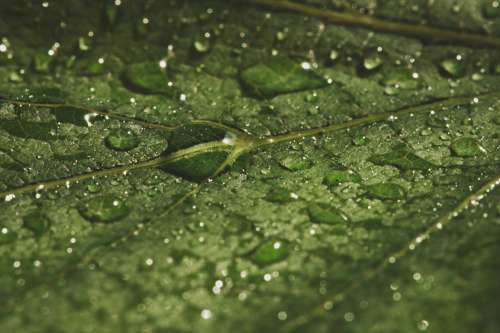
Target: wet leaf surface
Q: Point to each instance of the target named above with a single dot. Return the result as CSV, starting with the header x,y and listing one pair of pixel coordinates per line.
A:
x,y
250,166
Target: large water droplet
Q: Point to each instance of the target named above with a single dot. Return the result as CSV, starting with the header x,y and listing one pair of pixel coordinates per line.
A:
x,y
105,209
122,139
466,147
389,191
203,165
325,214
402,159
336,177
279,75
271,251
147,78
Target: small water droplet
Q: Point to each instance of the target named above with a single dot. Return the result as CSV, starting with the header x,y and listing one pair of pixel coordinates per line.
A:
x,y
423,325
453,67
36,223
201,45
373,60
491,9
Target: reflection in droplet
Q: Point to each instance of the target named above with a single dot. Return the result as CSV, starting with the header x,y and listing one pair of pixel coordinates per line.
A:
x,y
389,191
104,209
453,67
322,213
271,251
122,139
466,147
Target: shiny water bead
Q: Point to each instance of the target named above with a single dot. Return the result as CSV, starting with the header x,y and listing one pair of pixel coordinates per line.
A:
x,y
105,209
122,139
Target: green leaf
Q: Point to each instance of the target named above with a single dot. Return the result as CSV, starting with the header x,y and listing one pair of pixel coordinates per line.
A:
x,y
250,166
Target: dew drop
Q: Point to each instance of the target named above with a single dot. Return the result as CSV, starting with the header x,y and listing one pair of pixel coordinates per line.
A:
x,y
201,45
336,177
37,223
7,236
271,251
279,195
105,209
122,140
322,213
466,147
386,191
453,67
372,61
295,162
399,79
491,9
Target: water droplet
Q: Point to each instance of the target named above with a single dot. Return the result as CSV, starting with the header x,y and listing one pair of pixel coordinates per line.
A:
x,y
201,45
295,162
325,214
491,9
206,314
201,166
271,251
279,195
334,55
230,138
402,159
312,98
105,209
36,223
453,67
399,79
466,147
7,236
389,191
147,78
42,62
336,177
281,35
279,75
360,140
9,197
122,139
423,325
372,60
436,121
